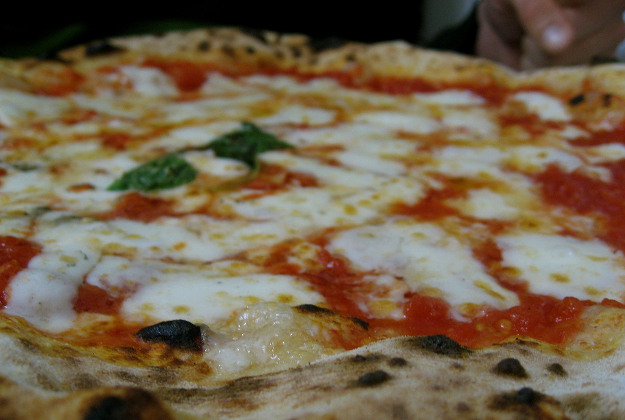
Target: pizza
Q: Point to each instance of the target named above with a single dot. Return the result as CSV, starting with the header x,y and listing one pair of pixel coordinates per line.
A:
x,y
231,224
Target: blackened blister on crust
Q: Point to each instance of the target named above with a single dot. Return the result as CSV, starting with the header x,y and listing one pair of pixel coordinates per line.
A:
x,y
102,47
557,369
133,404
440,344
510,367
373,378
177,333
523,397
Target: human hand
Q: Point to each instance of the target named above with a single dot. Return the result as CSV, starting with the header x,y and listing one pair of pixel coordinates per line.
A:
x,y
530,34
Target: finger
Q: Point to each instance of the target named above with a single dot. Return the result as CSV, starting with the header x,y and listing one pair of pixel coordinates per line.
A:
x,y
501,18
582,51
490,45
546,23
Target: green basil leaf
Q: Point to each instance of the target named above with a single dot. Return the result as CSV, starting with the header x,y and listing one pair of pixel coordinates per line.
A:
x,y
172,170
245,144
167,171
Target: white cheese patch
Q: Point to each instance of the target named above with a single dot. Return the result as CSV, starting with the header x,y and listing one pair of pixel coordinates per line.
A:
x,y
207,300
473,124
536,158
237,108
43,292
562,266
296,114
469,161
487,204
19,107
414,123
149,81
451,97
547,107
427,258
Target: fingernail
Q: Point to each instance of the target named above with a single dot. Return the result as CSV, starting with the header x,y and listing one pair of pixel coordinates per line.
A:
x,y
554,38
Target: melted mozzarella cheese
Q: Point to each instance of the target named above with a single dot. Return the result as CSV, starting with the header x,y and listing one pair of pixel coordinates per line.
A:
x,y
364,149
203,299
18,107
414,123
429,260
547,107
562,266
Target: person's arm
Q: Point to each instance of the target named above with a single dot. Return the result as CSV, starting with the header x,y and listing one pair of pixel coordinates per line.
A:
x,y
529,34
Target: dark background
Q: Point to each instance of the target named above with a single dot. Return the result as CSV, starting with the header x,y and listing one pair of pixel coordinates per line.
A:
x,y
50,27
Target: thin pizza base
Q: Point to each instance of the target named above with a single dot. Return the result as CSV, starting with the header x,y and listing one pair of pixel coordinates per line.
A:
x,y
430,377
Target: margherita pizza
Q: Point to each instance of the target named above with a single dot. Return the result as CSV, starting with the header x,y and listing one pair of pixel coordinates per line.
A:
x,y
217,224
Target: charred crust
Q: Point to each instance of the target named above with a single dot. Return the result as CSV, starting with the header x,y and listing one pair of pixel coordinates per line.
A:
x,y
397,362
607,100
102,47
108,408
228,50
296,51
374,378
313,309
557,369
440,344
359,358
204,45
178,333
525,396
510,367
132,404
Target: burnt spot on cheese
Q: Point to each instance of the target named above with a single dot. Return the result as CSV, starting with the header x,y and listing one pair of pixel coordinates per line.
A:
x,y
101,47
309,308
440,344
510,367
178,333
363,324
313,309
557,369
577,99
374,378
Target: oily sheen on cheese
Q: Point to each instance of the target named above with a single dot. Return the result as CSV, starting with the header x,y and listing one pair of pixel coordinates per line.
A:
x,y
409,211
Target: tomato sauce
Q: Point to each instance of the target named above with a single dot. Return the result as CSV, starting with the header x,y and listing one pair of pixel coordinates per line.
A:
x,y
275,177
591,196
346,292
139,207
432,206
597,138
15,254
90,298
187,76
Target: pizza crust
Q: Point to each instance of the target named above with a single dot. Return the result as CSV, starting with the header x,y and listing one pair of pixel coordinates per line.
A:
x,y
427,377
